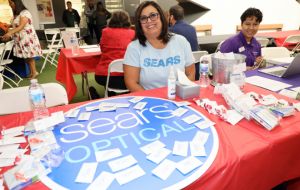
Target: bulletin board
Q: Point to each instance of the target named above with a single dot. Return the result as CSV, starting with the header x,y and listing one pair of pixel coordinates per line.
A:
x,y
45,11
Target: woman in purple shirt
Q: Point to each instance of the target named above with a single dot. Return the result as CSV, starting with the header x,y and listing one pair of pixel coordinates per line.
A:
x,y
244,42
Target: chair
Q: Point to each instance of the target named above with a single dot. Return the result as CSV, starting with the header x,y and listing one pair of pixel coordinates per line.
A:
x,y
1,81
198,54
54,42
219,46
205,29
263,41
275,52
114,66
270,53
292,42
16,100
5,60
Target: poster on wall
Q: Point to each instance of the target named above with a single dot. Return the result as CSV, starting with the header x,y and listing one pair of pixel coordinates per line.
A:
x,y
45,11
6,12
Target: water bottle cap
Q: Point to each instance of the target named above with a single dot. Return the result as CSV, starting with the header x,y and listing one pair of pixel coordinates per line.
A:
x,y
33,81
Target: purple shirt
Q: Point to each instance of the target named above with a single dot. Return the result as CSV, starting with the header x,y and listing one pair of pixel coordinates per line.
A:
x,y
238,44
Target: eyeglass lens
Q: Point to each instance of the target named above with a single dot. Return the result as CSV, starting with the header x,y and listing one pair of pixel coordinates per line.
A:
x,y
152,16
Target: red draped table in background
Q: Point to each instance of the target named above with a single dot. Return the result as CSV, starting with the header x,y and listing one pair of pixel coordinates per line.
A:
x,y
69,64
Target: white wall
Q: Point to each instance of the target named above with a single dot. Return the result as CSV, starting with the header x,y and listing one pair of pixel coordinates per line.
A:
x,y
225,14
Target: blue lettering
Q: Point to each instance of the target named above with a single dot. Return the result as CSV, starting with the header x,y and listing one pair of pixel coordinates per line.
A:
x,y
78,156
154,63
161,63
147,62
176,59
169,61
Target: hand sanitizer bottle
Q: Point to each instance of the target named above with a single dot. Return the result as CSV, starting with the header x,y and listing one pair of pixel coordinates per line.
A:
x,y
171,84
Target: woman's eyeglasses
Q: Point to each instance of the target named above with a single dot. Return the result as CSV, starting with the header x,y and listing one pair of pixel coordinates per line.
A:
x,y
152,16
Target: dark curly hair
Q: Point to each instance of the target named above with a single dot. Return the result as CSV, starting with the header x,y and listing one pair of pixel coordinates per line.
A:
x,y
119,19
252,12
19,7
139,34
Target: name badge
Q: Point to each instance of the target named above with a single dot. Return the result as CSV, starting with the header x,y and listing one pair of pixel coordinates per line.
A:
x,y
241,49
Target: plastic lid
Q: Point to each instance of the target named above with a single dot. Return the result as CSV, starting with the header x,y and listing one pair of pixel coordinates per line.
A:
x,y
33,81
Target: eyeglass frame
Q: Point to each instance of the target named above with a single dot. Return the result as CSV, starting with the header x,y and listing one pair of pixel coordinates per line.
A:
x,y
153,15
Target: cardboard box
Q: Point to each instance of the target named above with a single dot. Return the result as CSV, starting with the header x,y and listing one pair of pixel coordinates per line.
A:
x,y
187,92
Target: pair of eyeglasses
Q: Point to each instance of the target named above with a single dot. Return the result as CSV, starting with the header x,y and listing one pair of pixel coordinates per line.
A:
x,y
152,16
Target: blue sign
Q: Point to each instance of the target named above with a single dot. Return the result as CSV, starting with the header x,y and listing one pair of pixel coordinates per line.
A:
x,y
130,129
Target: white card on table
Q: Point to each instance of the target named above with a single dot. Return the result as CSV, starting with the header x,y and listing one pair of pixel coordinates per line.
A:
x,y
12,154
108,154
180,111
204,124
85,116
129,174
15,131
152,147
136,99
297,106
12,140
122,163
91,108
164,169
86,172
233,117
58,117
11,147
180,148
7,162
102,182
191,119
158,155
140,105
201,137
183,103
197,149
122,105
73,113
107,108
187,165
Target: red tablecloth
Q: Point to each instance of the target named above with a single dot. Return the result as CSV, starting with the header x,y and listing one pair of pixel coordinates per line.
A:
x,y
69,64
280,36
249,156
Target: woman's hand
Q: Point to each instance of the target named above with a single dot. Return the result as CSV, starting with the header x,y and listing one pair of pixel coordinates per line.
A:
x,y
6,37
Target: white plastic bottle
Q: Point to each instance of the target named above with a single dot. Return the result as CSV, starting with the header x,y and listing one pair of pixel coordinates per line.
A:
x,y
203,80
37,99
171,84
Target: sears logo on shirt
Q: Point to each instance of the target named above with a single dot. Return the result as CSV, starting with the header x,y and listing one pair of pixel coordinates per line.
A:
x,y
148,62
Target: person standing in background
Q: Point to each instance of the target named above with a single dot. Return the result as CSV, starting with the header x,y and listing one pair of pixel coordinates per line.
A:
x,y
244,42
100,17
114,41
26,42
179,26
70,17
89,10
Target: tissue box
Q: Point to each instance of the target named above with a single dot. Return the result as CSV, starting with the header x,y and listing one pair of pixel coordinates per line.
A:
x,y
186,92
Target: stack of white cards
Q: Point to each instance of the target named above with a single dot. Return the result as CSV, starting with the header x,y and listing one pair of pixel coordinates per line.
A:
x,y
9,145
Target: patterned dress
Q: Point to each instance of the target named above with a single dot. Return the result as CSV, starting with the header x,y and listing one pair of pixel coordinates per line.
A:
x,y
27,44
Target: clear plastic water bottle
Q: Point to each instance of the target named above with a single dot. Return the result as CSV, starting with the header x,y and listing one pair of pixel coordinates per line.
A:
x,y
171,84
74,44
204,79
37,99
